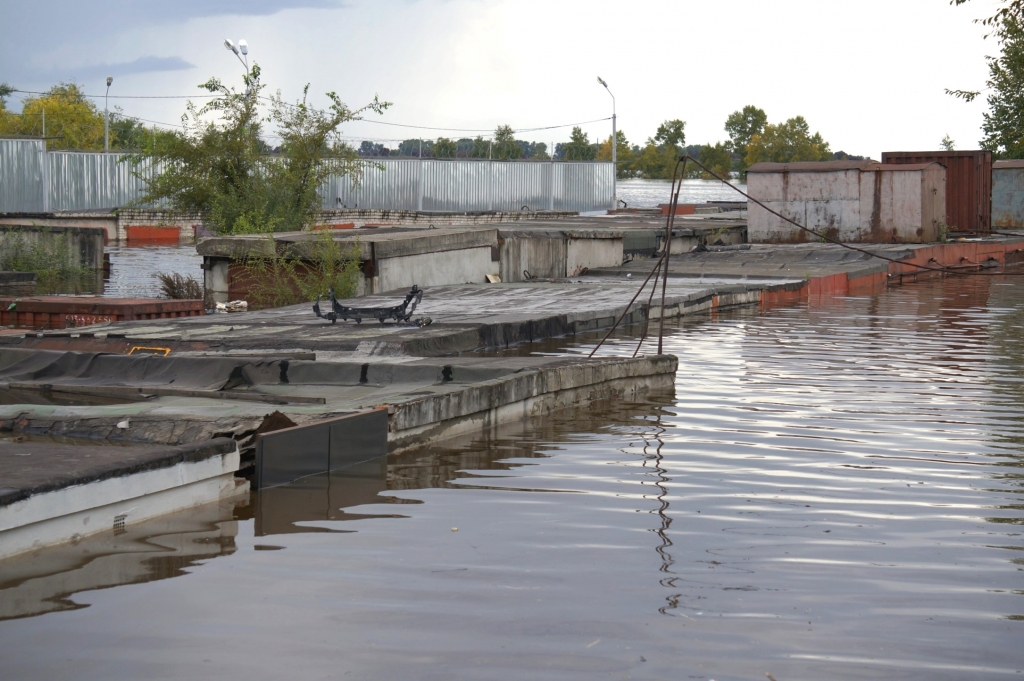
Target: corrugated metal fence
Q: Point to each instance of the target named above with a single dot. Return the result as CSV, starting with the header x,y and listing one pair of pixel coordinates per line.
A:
x,y
33,180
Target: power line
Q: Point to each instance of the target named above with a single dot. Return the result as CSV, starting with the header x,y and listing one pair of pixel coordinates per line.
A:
x,y
428,127
517,130
82,94
363,120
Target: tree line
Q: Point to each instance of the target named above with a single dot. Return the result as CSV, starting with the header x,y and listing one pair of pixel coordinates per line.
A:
x,y
72,121
68,120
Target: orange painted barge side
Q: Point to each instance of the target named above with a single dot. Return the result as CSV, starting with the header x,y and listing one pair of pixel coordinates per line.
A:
x,y
65,312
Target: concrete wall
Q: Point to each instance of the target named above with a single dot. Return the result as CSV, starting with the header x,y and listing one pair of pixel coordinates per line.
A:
x,y
866,202
554,254
116,223
1008,194
541,254
84,244
589,253
463,266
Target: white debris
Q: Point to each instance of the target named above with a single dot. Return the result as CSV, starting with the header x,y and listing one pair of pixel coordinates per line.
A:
x,y
233,306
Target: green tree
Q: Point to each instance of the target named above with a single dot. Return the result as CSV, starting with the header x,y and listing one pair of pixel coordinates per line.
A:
x,y
70,118
479,148
786,143
445,148
948,143
505,145
741,126
657,160
1009,11
221,169
1003,123
717,159
579,147
671,133
5,92
624,153
538,151
744,124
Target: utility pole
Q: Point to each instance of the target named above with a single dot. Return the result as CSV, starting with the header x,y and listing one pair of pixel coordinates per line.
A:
x,y
615,149
106,118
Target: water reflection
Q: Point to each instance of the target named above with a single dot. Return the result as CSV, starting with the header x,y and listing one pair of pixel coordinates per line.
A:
x,y
45,581
833,491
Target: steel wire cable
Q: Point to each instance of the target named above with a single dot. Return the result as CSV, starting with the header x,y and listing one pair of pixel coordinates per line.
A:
x,y
832,240
677,180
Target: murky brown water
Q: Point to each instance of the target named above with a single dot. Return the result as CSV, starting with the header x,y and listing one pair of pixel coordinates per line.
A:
x,y
834,491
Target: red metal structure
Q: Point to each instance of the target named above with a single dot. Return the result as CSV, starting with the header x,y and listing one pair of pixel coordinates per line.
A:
x,y
63,312
968,185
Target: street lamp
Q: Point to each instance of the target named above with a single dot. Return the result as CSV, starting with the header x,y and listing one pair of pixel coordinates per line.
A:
x,y
615,149
241,50
106,118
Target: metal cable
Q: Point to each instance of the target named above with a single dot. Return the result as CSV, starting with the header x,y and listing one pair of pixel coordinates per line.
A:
x,y
829,239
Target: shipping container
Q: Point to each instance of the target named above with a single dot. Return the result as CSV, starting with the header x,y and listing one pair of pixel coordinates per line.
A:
x,y
968,185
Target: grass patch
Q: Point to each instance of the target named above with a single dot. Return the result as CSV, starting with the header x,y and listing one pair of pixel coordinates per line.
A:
x,y
287,279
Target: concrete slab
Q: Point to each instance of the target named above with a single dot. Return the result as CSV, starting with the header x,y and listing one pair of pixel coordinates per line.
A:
x,y
54,492
426,399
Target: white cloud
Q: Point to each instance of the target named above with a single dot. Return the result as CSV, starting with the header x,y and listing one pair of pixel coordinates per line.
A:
x,y
868,74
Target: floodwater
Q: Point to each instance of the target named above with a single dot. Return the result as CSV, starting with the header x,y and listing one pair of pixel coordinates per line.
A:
x,y
649,193
833,491
134,269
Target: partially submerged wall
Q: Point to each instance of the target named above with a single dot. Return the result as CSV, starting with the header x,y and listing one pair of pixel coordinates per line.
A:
x,y
847,200
1008,194
554,254
79,247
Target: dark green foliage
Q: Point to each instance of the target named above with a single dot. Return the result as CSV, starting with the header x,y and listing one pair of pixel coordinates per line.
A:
x,y
1003,123
177,287
579,147
297,276
223,169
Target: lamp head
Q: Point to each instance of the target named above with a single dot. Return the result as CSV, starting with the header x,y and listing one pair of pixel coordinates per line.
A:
x,y
110,79
601,81
243,46
230,45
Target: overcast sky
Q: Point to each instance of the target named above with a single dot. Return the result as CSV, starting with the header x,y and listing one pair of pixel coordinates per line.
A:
x,y
867,74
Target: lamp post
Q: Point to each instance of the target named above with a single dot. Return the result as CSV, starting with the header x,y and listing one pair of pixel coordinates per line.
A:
x,y
106,118
615,150
241,50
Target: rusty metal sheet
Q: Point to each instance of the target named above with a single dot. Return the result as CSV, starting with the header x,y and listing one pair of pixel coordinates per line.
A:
x,y
1008,195
968,184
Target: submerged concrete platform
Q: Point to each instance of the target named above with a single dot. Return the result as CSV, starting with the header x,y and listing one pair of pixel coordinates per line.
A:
x,y
240,376
426,399
53,492
463,318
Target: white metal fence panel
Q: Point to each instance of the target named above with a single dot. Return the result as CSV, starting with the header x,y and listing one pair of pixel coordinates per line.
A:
x,y
22,176
33,180
83,180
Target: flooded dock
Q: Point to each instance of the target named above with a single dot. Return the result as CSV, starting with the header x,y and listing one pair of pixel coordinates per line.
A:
x,y
832,489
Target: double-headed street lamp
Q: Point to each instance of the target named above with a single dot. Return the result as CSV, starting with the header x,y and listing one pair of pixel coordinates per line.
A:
x,y
106,117
615,148
241,50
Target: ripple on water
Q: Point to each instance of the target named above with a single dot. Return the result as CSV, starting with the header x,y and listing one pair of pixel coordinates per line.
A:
x,y
833,491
